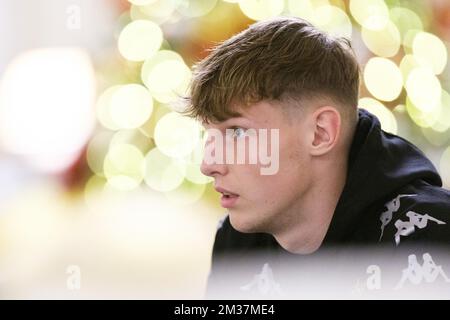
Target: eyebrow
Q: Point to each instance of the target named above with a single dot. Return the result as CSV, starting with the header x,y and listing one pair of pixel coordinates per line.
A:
x,y
229,120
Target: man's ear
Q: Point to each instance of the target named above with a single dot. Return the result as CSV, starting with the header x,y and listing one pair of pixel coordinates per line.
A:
x,y
327,125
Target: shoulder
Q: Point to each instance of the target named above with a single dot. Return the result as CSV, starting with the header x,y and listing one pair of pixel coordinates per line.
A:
x,y
420,213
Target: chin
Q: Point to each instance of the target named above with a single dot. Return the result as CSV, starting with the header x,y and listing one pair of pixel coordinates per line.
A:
x,y
245,224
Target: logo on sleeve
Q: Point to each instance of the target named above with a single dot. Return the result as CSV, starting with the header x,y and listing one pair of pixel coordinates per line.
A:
x,y
404,228
392,207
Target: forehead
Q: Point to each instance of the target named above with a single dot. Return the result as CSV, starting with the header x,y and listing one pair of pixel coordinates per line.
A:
x,y
260,114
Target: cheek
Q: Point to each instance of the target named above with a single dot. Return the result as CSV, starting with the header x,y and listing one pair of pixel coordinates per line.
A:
x,y
254,186
282,185
294,173
294,156
290,157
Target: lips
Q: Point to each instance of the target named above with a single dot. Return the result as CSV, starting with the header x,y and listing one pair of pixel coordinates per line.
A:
x,y
228,199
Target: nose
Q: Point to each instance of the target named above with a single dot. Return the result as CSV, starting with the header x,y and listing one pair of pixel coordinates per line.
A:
x,y
213,169
213,165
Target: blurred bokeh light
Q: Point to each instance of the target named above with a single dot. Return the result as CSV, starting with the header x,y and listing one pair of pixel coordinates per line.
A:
x,y
106,170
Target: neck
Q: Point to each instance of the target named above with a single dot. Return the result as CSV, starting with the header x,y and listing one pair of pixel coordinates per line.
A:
x,y
306,222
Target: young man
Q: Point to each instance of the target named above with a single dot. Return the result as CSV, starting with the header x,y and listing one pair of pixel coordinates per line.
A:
x,y
340,181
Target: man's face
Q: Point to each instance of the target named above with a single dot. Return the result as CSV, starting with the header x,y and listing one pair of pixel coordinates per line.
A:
x,y
260,202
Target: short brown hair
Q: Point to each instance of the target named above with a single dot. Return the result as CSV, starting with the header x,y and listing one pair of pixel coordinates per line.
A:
x,y
277,59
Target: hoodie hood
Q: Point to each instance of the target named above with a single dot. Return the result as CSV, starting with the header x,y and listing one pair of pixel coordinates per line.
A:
x,y
379,164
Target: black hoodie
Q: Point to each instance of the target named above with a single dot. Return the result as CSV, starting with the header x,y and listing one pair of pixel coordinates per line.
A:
x,y
393,198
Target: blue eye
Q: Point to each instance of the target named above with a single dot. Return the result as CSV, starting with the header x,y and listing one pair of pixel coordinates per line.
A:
x,y
238,132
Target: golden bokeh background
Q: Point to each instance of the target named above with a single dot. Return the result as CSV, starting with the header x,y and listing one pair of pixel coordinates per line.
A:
x,y
99,173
